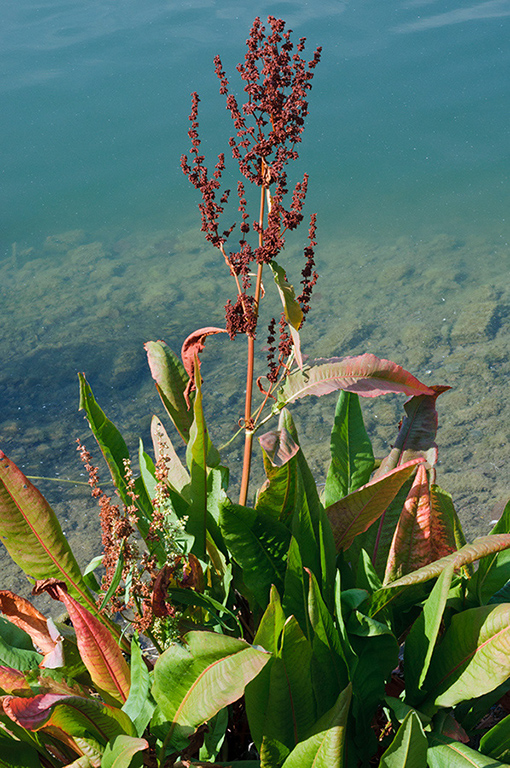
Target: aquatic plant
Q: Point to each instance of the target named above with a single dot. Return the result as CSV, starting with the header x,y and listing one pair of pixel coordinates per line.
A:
x,y
347,629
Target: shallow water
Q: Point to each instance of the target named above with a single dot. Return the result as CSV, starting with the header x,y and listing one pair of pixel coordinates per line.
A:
x,y
407,149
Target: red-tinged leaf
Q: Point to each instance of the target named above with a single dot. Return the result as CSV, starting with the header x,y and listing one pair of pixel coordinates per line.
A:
x,y
193,682
278,446
32,535
76,716
472,659
12,680
192,347
171,382
417,432
366,374
481,547
23,614
99,651
420,536
354,513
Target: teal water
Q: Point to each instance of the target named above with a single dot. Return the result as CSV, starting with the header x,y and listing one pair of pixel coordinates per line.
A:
x,y
407,147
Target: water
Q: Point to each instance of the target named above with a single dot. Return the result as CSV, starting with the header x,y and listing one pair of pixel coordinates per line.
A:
x,y
407,147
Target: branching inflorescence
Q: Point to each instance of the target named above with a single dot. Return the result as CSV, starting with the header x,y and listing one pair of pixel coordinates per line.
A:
x,y
268,128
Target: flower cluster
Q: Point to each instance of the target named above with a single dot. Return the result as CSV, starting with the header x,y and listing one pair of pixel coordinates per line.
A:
x,y
268,128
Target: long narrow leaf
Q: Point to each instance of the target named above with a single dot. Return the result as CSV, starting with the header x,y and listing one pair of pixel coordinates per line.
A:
x,y
454,754
171,380
280,701
325,747
421,640
99,651
200,455
352,458
32,535
367,375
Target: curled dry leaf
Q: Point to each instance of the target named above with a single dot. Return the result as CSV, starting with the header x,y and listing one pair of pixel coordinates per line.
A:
x,y
192,346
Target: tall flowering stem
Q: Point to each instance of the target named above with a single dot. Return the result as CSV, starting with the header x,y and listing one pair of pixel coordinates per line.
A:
x,y
268,128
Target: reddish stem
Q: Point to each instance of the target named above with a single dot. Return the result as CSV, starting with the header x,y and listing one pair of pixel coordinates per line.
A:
x,y
248,434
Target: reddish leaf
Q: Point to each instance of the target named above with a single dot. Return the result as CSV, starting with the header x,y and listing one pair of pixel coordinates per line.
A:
x,y
420,537
367,375
12,680
354,513
99,651
192,346
23,614
68,716
417,432
278,446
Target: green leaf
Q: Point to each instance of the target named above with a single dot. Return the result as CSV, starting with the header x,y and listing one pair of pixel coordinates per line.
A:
x,y
214,736
496,742
15,754
454,754
177,475
367,375
171,380
271,624
377,656
16,649
32,535
115,453
215,608
200,455
494,570
314,505
283,491
353,514
352,458
193,682
120,752
280,701
472,659
259,544
329,670
295,596
409,747
421,640
324,748
292,308
139,705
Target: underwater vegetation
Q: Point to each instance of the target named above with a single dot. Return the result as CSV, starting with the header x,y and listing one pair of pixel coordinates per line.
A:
x,y
285,628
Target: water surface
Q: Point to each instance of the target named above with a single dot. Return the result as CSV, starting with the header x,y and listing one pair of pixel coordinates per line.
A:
x,y
407,147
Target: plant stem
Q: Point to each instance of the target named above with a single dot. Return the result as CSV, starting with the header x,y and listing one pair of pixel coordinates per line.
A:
x,y
248,434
